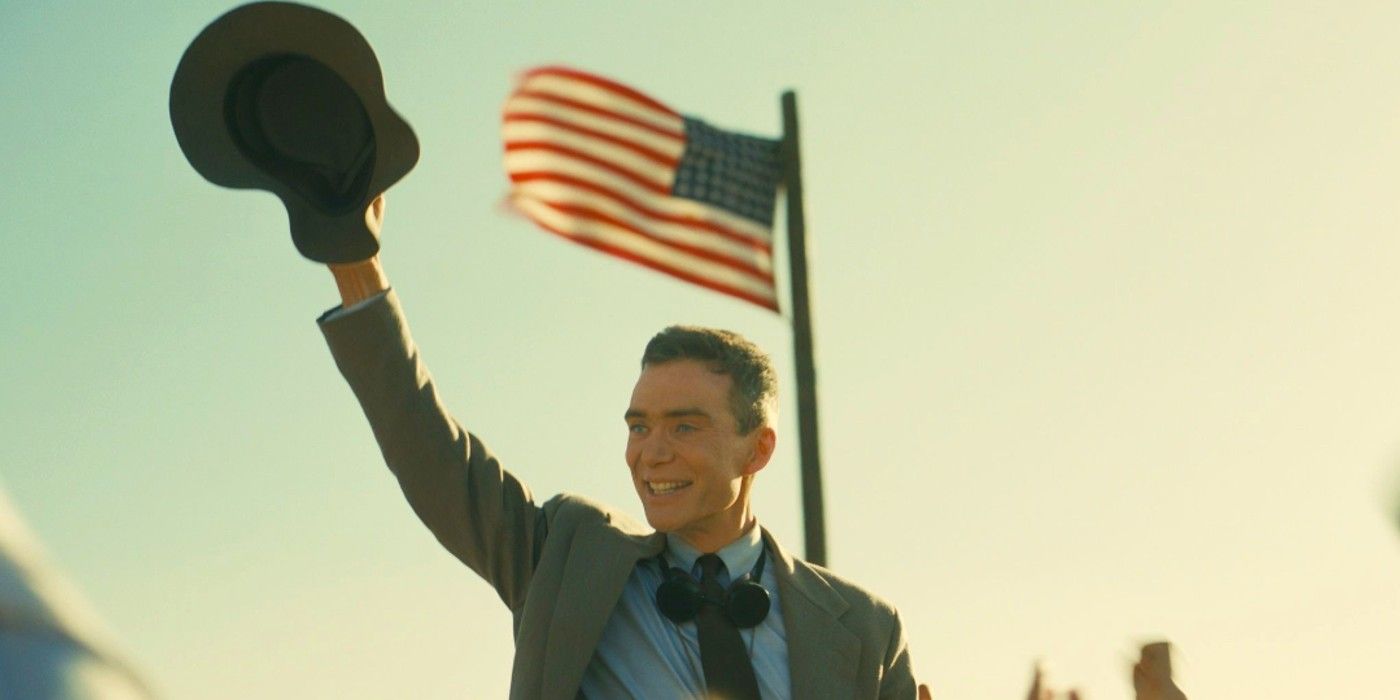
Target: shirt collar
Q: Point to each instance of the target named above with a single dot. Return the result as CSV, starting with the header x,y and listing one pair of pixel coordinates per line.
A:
x,y
739,556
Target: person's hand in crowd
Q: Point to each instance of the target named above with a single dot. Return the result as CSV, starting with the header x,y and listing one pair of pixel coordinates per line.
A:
x,y
1040,691
1152,674
1152,678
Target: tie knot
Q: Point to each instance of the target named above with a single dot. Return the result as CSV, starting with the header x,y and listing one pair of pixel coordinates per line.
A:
x,y
710,567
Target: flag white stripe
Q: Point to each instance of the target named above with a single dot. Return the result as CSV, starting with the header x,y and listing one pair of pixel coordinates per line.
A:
x,y
670,147
592,94
564,193
548,161
657,174
640,246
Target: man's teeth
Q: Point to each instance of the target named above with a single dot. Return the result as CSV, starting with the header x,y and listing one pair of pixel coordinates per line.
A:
x,y
661,488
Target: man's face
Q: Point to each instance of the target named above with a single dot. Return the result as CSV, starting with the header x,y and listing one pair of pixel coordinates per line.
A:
x,y
686,455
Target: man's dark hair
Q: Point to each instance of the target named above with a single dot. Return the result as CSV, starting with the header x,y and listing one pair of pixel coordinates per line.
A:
x,y
754,392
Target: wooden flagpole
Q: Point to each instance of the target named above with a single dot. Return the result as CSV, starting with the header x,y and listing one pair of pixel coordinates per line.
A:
x,y
814,521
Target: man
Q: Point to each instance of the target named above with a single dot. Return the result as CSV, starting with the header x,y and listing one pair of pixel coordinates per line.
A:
x,y
582,581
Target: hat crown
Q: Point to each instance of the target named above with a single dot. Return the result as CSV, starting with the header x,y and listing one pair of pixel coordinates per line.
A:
x,y
298,121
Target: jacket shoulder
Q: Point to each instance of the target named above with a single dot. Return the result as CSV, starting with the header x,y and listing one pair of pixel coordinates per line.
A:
x,y
864,603
569,511
885,649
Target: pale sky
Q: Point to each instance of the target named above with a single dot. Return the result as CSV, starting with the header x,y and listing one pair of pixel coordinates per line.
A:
x,y
1105,304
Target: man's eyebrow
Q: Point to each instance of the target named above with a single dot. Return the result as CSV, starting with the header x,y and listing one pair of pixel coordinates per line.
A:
x,y
673,413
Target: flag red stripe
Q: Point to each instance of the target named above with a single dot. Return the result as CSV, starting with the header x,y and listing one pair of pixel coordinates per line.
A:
x,y
592,161
655,156
738,265
601,82
770,304
637,178
606,113
717,229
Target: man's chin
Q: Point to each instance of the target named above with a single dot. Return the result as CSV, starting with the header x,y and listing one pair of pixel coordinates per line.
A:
x,y
661,522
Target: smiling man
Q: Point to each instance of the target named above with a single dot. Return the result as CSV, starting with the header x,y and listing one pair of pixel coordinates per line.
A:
x,y
704,603
699,429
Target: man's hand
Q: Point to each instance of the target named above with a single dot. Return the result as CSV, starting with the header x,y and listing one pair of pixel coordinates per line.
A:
x,y
374,215
361,280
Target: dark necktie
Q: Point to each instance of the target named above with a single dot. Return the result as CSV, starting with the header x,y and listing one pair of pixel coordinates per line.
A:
x,y
728,671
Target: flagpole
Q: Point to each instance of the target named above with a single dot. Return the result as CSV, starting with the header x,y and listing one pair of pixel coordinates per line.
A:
x,y
814,521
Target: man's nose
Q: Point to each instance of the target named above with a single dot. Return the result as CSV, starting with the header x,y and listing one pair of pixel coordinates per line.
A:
x,y
656,449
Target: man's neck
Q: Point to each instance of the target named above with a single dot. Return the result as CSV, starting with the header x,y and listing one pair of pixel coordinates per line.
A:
x,y
709,541
739,556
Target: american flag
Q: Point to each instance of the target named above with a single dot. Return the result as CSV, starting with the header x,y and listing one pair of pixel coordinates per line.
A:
x,y
603,165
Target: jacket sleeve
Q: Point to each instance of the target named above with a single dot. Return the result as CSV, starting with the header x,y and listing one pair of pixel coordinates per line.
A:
x,y
897,677
480,512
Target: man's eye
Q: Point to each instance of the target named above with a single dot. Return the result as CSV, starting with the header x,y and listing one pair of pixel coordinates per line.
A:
x,y
685,428
637,429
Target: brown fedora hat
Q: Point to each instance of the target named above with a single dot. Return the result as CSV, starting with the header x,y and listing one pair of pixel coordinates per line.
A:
x,y
288,98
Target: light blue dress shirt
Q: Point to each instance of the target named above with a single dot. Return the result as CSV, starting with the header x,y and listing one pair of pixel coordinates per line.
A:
x,y
644,655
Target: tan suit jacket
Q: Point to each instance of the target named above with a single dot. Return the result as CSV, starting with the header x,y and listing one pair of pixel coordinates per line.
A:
x,y
560,566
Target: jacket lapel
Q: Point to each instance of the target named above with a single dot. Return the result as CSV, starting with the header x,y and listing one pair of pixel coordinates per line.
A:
x,y
823,656
600,561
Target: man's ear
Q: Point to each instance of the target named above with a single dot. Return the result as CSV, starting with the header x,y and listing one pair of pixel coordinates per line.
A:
x,y
765,439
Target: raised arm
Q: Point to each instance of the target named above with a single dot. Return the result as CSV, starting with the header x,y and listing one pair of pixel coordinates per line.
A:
x,y
477,510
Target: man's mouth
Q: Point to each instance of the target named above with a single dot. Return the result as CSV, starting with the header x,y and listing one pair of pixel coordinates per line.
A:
x,y
662,488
